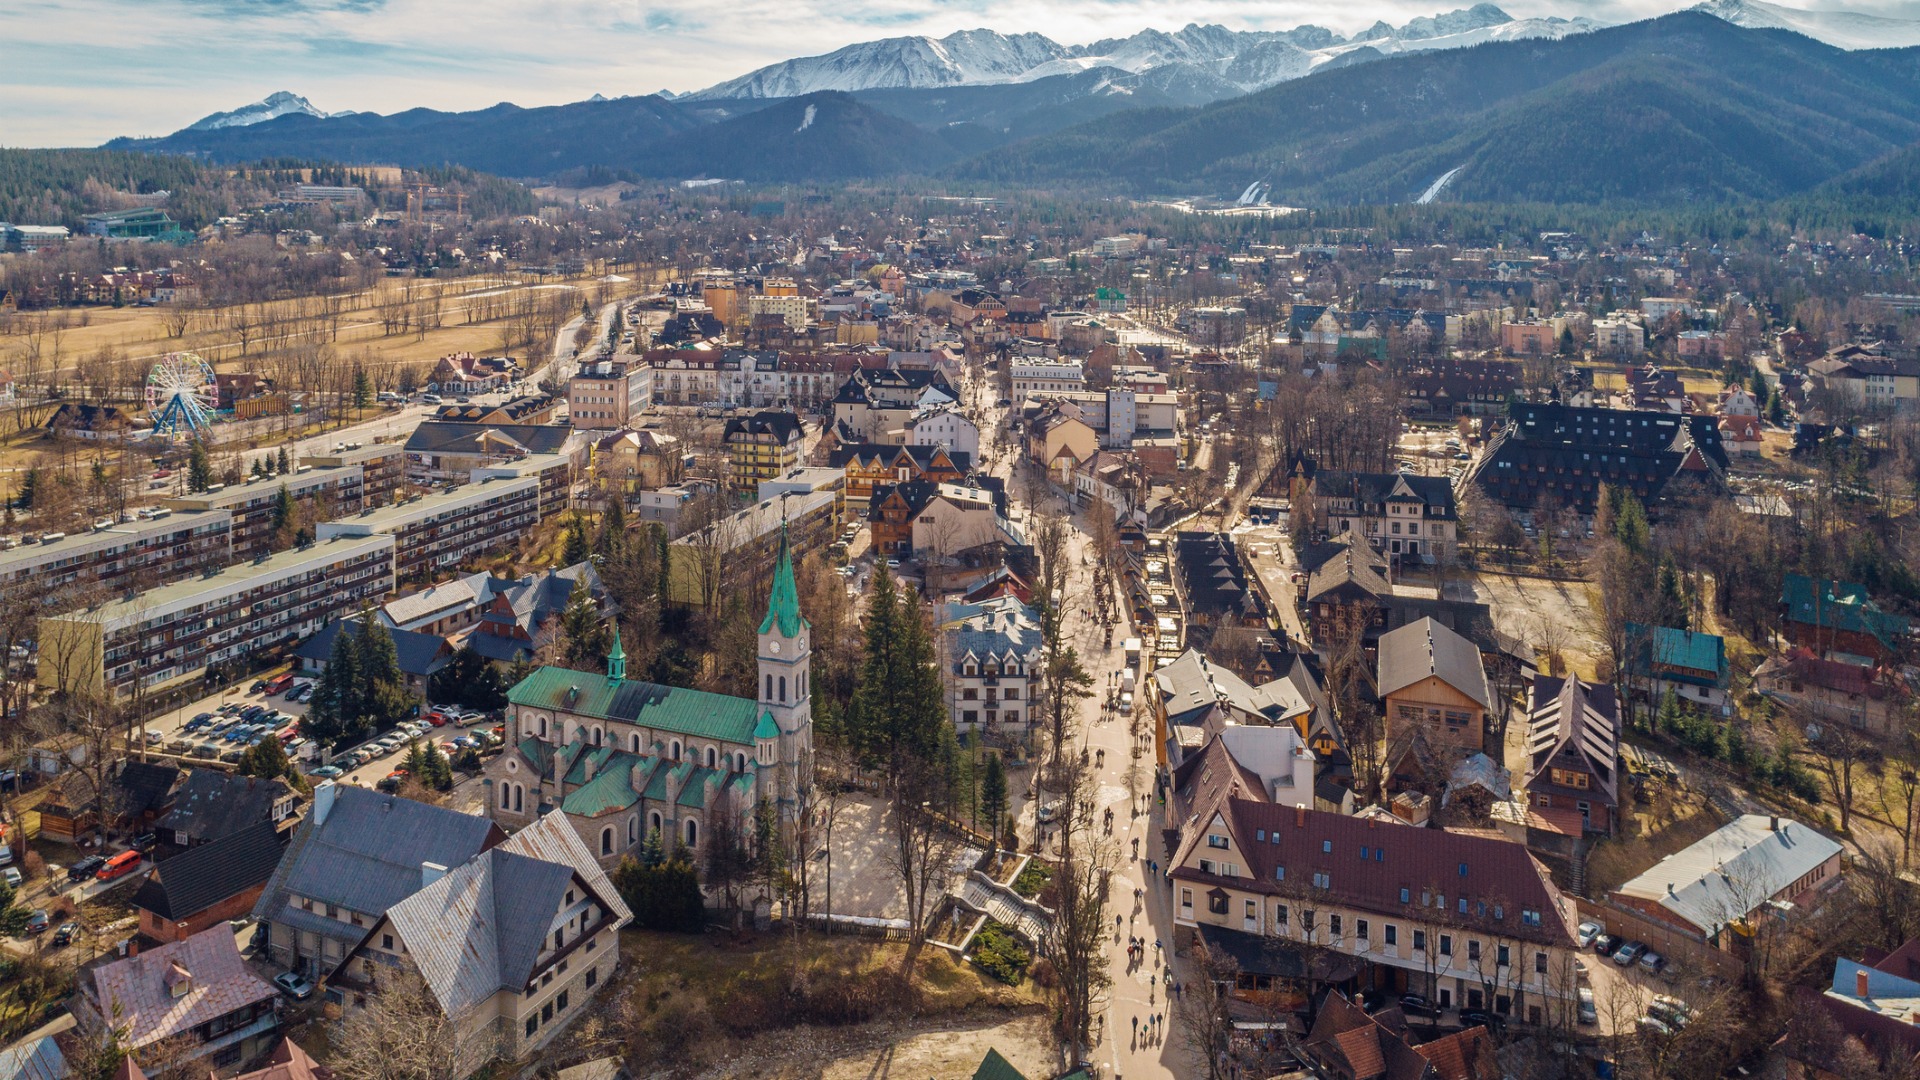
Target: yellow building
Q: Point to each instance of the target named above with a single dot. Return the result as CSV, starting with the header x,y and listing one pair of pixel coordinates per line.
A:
x,y
763,446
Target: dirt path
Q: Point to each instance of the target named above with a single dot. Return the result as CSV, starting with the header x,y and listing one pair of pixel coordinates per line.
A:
x,y
927,1051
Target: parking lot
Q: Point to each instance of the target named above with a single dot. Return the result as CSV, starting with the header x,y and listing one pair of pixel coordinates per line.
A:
x,y
216,728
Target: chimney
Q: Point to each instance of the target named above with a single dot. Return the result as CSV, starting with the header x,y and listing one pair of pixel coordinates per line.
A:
x,y
1860,985
586,765
1373,822
431,872
323,796
1299,815
1773,823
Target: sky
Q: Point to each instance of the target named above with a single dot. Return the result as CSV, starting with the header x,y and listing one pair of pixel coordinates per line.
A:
x,y
78,72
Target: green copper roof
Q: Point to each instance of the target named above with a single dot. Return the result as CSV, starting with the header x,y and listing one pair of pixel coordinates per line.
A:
x,y
783,607
767,729
606,792
629,701
617,656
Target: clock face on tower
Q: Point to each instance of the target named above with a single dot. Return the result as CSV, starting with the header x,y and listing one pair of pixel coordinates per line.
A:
x,y
775,646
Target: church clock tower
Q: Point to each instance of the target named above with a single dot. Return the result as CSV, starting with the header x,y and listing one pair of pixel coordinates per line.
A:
x,y
784,741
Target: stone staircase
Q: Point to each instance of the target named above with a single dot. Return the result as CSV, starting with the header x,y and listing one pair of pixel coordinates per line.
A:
x,y
980,893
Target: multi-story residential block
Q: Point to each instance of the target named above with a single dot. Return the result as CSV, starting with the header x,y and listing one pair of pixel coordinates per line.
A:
x,y
636,461
356,854
760,447
870,465
508,985
746,378
1466,919
1216,326
1432,682
1573,739
946,427
1398,513
313,493
165,636
1552,454
990,650
1619,336
555,472
609,395
431,534
707,563
791,308
383,469
167,546
1042,376
874,402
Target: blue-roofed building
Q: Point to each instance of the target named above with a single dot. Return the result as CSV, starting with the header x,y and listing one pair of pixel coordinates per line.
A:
x,y
991,649
623,758
1689,664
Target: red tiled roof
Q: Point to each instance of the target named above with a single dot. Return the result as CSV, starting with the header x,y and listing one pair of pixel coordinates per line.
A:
x,y
1368,866
1463,1055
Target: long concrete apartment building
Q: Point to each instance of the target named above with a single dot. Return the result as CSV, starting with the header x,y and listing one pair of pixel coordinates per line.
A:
x,y
134,555
165,636
432,533
318,493
383,469
554,471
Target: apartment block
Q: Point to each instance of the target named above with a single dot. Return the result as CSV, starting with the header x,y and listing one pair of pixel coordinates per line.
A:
x,y
168,635
609,395
555,473
140,554
318,493
434,533
1039,376
383,469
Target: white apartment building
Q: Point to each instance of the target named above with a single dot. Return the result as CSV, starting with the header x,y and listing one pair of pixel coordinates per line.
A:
x,y
1038,376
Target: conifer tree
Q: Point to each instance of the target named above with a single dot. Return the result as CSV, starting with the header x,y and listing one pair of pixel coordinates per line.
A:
x,y
199,467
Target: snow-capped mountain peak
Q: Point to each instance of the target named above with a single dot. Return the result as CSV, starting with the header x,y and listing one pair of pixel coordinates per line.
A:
x,y
1202,53
277,104
1841,29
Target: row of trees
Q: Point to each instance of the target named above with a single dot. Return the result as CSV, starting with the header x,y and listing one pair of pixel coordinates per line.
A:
x,y
362,689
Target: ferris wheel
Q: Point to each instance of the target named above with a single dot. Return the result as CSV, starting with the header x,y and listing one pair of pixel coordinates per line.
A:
x,y
181,393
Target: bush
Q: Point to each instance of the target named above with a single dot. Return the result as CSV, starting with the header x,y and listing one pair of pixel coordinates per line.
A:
x,y
1034,878
998,953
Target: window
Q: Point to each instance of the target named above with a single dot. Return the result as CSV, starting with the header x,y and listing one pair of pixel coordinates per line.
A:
x,y
1446,944
1473,952
533,1022
1405,894
1419,941
1503,956
1280,916
1186,899
1360,929
1540,963
386,942
1260,835
1326,847
1321,880
546,1012
560,1001
693,833
606,841
1216,841
1333,925
1279,873
1392,933
593,976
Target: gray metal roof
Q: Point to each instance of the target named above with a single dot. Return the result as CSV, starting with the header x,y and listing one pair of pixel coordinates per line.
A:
x,y
1417,650
364,852
1730,873
480,928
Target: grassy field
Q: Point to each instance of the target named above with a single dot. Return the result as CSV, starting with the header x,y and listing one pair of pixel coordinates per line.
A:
x,y
703,1000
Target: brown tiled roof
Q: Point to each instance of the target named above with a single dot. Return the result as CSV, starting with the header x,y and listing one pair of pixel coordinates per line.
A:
x,y
1463,1055
1497,878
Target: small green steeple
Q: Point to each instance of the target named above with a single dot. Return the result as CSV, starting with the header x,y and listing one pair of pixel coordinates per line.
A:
x,y
616,656
783,606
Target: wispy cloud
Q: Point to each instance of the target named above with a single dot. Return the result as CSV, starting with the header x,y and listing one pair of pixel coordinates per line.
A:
x,y
169,62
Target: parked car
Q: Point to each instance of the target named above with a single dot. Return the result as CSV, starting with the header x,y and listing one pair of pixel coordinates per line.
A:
x,y
145,842
117,867
12,876
82,870
327,772
1481,1018
6,854
1416,1005
1605,944
1588,1012
1653,961
1670,1011
1583,937
1629,953
36,924
67,932
1650,1026
207,751
293,985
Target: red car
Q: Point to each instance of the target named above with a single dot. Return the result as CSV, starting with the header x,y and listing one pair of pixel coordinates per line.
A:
x,y
118,866
435,719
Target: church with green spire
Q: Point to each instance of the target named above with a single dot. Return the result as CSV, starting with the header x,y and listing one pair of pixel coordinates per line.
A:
x,y
623,758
